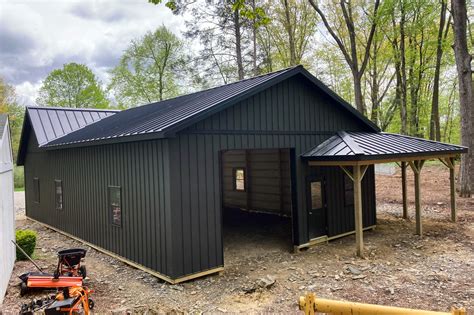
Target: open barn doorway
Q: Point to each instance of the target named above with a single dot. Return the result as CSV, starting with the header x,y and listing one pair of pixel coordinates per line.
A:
x,y
256,201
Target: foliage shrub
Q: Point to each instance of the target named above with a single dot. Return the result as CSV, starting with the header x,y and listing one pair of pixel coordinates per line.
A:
x,y
26,239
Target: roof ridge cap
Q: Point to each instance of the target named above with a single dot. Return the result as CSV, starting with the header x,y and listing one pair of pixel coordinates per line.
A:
x,y
350,143
73,108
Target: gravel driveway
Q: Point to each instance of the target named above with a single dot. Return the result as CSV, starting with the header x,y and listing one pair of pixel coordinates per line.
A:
x,y
19,203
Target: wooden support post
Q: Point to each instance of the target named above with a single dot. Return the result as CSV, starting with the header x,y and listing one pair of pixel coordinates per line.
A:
x,y
404,190
357,175
449,163
416,167
452,188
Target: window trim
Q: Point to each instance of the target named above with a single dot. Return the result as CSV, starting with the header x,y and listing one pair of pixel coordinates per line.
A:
x,y
234,178
60,182
109,205
36,190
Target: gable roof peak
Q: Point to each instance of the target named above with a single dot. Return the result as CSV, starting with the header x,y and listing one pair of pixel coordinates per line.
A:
x,y
166,118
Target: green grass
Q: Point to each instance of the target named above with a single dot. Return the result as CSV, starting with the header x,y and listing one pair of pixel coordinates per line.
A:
x,y
18,178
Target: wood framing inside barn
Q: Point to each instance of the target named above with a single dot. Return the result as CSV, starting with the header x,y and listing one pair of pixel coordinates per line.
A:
x,y
151,184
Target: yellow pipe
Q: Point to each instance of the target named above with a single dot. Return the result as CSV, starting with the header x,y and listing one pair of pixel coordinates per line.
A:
x,y
310,304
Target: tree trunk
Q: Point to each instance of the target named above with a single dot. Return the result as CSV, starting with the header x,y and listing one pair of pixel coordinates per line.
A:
x,y
435,132
254,41
403,79
351,55
238,45
359,98
463,65
289,29
374,91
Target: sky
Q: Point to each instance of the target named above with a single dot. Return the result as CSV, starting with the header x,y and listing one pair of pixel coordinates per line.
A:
x,y
38,36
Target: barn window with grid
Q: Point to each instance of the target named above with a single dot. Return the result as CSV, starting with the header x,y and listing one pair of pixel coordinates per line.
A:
x,y
36,190
239,179
115,205
58,190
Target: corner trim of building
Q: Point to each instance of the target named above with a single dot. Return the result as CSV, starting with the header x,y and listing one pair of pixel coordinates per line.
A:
x,y
132,263
324,239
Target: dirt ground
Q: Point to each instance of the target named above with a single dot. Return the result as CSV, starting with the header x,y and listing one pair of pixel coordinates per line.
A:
x,y
433,272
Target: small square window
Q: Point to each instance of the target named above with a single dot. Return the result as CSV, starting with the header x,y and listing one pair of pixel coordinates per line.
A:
x,y
36,190
239,179
58,190
115,205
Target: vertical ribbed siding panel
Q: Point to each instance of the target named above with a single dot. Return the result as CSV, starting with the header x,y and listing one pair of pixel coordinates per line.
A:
x,y
171,188
193,192
141,169
289,106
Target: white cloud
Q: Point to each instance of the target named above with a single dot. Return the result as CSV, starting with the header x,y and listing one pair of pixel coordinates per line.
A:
x,y
39,36
27,92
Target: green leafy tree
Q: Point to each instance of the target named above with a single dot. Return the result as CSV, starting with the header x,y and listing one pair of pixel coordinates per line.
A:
x,y
75,85
149,70
353,35
9,105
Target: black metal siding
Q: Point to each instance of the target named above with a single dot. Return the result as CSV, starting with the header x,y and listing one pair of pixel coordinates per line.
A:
x,y
340,217
140,168
171,189
288,115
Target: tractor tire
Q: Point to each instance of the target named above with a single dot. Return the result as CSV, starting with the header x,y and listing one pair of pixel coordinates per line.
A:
x,y
83,272
23,289
91,303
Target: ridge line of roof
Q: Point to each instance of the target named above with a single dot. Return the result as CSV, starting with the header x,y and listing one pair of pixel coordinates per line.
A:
x,y
73,108
347,139
169,129
275,74
218,86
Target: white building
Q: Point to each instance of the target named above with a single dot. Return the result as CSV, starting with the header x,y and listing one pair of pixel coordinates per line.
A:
x,y
7,213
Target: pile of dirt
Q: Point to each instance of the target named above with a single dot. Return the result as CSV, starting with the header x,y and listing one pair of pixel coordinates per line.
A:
x,y
262,275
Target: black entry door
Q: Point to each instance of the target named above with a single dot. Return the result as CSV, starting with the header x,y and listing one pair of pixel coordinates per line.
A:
x,y
317,221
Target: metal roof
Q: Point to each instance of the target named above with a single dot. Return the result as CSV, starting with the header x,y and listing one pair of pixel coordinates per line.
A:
x,y
162,119
51,123
357,146
3,122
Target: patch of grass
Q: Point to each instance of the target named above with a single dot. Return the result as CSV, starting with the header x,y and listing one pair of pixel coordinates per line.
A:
x,y
19,178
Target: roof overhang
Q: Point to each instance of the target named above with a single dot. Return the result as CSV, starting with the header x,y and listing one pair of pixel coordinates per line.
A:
x,y
381,160
364,148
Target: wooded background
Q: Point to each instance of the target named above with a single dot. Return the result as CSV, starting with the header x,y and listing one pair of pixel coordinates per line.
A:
x,y
395,60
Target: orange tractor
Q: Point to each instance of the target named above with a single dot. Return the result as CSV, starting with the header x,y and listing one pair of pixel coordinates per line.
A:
x,y
72,300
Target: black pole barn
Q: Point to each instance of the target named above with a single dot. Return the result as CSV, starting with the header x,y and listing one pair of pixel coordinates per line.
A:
x,y
150,184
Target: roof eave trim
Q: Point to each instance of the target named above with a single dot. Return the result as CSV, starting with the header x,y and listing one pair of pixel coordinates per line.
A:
x,y
362,157
112,140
